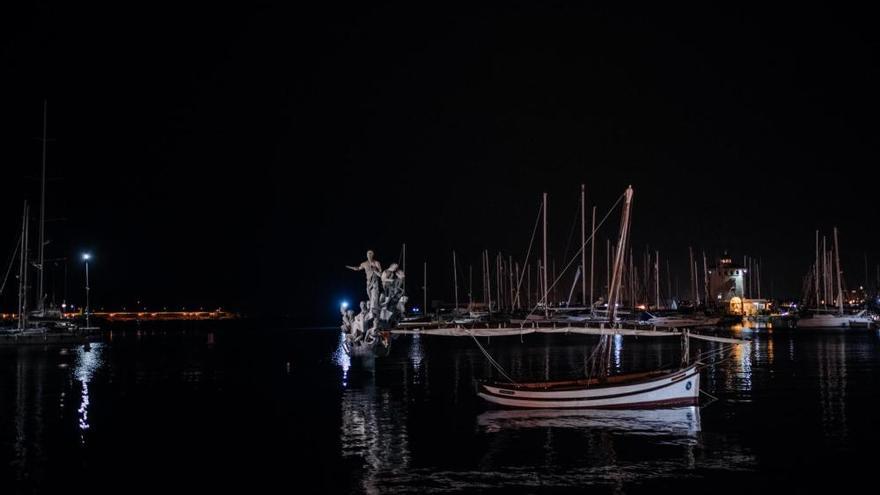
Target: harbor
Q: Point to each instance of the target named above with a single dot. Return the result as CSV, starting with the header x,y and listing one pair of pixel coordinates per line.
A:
x,y
393,248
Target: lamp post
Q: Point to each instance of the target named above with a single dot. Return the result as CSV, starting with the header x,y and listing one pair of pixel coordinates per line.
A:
x,y
86,257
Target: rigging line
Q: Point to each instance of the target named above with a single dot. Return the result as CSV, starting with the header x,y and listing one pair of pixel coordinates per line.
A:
x,y
529,251
492,361
11,260
589,239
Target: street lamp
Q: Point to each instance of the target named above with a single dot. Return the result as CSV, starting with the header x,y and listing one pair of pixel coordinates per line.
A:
x,y
86,257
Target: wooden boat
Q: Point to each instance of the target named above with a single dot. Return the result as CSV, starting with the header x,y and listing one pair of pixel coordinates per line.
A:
x,y
654,389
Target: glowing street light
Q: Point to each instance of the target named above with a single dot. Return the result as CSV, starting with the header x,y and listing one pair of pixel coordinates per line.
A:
x,y
86,257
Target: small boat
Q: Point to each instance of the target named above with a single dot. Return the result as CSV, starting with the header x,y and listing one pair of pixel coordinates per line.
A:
x,y
654,389
827,320
678,321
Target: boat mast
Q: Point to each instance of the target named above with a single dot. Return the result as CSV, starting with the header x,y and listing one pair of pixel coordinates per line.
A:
x,y
471,287
693,282
816,268
825,271
424,287
512,278
518,277
657,278
488,283
593,257
42,215
455,279
584,250
607,264
546,310
619,257
705,279
758,276
22,271
839,285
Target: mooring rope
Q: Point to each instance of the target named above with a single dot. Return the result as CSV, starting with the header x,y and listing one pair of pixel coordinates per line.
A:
x,y
492,361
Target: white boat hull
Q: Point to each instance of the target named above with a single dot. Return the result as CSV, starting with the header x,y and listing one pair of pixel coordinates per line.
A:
x,y
835,321
681,388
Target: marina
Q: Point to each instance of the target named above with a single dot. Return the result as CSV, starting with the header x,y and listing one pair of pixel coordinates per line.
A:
x,y
392,248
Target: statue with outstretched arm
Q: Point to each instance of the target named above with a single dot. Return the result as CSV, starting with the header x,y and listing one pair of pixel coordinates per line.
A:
x,y
373,270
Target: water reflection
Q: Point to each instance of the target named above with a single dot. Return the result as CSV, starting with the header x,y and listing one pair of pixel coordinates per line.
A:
x,y
88,360
342,359
832,374
672,421
374,430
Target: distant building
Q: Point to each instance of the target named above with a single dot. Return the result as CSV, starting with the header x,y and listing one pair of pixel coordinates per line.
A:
x,y
726,289
726,280
726,286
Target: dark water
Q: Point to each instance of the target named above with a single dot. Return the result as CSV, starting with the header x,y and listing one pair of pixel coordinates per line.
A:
x,y
271,410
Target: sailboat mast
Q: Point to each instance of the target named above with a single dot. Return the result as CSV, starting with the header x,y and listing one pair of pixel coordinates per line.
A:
x,y
471,286
584,250
512,278
546,311
455,278
657,279
705,280
518,285
825,270
488,283
693,280
816,268
42,214
424,287
22,273
592,257
839,284
619,258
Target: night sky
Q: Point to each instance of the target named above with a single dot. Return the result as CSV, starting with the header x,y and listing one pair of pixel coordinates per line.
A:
x,y
240,156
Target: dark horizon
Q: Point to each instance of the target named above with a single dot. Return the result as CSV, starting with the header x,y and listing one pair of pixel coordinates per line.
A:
x,y
241,156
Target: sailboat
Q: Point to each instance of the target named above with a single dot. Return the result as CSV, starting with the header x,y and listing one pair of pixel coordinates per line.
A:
x,y
653,389
824,318
24,329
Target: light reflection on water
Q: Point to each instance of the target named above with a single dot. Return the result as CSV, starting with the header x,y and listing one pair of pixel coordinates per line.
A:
x,y
342,359
88,360
411,422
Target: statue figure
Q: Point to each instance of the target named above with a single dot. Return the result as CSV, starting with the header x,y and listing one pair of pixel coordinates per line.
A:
x,y
347,320
385,305
388,279
401,304
392,284
372,269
